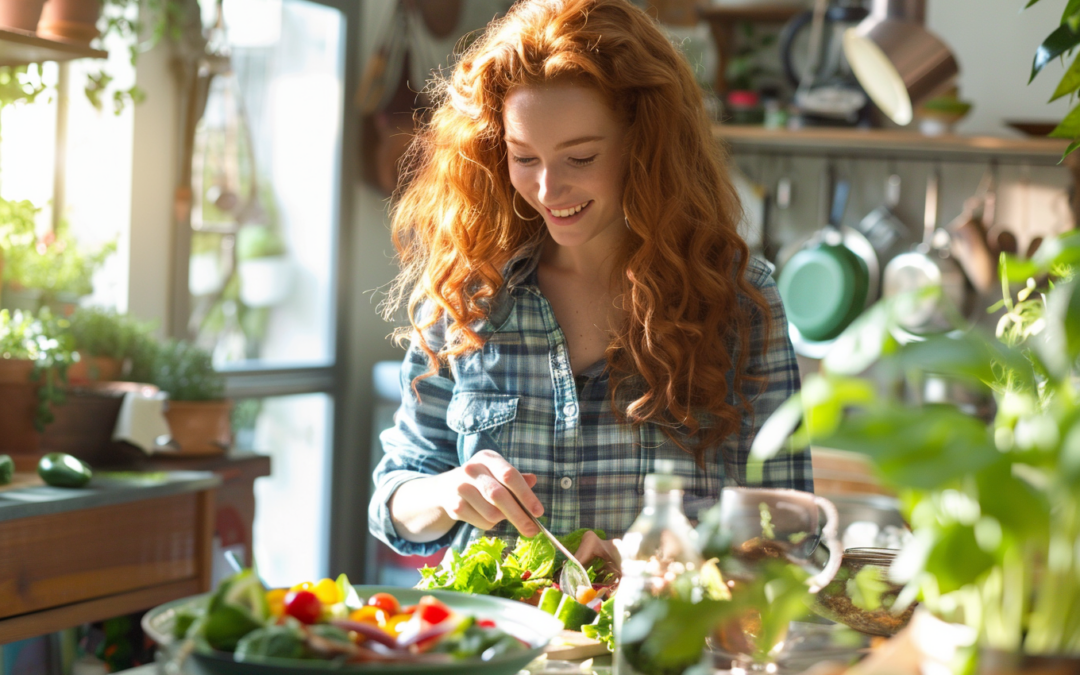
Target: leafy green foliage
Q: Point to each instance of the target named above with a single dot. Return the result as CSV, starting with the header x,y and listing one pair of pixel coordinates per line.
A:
x,y
603,629
481,568
180,368
995,507
53,263
104,332
46,341
1060,43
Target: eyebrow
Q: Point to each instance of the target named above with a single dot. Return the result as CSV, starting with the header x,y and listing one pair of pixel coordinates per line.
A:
x,y
564,144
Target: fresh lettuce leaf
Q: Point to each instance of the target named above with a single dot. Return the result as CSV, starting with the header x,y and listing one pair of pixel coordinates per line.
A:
x,y
536,554
573,540
481,569
603,628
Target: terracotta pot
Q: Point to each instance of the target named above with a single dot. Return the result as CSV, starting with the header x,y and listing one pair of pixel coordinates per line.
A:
x,y
20,14
20,400
94,369
70,20
200,427
994,662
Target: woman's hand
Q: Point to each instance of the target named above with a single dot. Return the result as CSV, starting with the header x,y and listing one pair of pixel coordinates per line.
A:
x,y
479,493
593,547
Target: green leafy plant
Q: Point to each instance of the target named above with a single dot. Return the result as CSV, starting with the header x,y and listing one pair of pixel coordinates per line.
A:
x,y
16,230
258,241
995,508
104,332
1059,44
46,341
180,368
53,263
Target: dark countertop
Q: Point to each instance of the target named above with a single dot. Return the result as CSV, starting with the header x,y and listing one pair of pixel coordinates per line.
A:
x,y
106,488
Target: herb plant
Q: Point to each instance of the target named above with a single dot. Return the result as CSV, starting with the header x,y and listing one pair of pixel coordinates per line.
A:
x,y
45,341
995,508
182,369
104,332
1059,44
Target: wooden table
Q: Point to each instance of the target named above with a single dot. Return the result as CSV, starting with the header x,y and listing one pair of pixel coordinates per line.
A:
x,y
125,542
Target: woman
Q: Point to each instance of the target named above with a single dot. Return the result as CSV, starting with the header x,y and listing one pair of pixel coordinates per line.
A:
x,y
581,303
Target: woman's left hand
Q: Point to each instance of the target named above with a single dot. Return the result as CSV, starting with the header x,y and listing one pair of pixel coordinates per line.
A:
x,y
593,547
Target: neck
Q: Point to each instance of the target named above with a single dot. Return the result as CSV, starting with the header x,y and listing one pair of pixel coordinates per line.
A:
x,y
593,259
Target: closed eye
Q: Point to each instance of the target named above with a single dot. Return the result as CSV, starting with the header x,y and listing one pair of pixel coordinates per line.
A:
x,y
523,160
583,161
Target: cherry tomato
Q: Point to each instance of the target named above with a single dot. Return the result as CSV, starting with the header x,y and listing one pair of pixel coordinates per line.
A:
x,y
408,609
369,614
386,603
485,623
433,611
303,606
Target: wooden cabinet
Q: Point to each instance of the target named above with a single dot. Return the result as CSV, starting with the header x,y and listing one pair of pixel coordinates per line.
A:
x,y
124,543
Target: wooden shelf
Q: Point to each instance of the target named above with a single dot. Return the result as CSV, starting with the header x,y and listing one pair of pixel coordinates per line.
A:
x,y
722,21
882,143
19,48
761,13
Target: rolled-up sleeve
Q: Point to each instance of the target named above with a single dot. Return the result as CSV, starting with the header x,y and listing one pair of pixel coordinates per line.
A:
x,y
420,444
780,370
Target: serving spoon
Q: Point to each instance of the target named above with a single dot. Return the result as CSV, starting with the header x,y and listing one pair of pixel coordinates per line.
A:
x,y
573,575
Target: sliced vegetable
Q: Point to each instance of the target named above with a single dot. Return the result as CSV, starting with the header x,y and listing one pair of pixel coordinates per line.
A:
x,y
585,594
432,611
549,601
573,614
62,470
7,469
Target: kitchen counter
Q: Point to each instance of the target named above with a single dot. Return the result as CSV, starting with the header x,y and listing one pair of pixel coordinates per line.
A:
x,y
125,542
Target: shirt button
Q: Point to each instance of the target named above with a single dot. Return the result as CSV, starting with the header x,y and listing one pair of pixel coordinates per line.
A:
x,y
565,483
569,410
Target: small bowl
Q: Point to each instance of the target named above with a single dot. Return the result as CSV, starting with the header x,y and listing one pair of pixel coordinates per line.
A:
x,y
835,601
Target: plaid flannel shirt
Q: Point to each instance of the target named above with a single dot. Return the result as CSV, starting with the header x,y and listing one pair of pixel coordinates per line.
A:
x,y
518,396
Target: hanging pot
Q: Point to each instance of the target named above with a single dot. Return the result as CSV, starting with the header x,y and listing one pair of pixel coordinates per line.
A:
x,y
827,281
967,239
928,266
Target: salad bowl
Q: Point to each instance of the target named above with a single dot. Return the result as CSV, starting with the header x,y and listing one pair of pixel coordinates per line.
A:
x,y
529,624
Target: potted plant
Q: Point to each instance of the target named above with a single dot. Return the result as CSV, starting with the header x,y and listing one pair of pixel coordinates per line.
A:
x,y
264,268
52,270
20,14
105,341
35,353
197,411
17,239
995,509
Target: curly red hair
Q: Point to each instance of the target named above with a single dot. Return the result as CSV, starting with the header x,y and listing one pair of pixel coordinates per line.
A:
x,y
681,270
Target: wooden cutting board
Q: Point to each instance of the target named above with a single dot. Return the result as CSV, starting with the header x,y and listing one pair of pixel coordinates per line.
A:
x,y
571,645
22,480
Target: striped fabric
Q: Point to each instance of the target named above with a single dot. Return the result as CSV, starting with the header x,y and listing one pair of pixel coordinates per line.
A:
x,y
518,396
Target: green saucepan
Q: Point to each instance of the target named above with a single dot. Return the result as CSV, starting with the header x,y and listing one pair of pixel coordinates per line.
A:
x,y
824,289
523,621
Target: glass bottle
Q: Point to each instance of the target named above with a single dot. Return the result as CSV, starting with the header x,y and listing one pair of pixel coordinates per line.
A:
x,y
660,559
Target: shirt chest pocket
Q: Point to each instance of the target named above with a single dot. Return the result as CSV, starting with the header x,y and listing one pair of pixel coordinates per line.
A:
x,y
482,421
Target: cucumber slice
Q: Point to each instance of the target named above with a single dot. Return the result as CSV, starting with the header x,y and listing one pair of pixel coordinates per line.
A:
x,y
62,470
573,614
549,601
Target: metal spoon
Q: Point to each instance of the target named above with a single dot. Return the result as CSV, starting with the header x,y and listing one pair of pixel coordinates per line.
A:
x,y
573,575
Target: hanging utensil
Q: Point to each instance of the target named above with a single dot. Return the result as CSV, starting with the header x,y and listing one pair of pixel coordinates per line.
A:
x,y
926,267
827,282
882,227
967,239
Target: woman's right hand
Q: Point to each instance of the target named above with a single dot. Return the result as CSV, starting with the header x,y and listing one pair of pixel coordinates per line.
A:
x,y
478,493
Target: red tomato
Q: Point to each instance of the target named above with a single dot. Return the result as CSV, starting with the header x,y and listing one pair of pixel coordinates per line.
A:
x,y
303,606
434,612
485,623
386,603
409,609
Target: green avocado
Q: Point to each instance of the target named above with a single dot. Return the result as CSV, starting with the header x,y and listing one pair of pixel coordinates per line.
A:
x,y
62,470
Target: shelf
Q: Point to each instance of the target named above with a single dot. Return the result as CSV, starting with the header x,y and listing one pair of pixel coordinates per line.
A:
x,y
889,143
19,48
779,13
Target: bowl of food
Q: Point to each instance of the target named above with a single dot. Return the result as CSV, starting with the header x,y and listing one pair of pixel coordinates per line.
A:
x,y
244,629
861,595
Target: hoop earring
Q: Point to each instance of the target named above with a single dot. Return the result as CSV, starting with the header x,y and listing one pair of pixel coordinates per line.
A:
x,y
513,204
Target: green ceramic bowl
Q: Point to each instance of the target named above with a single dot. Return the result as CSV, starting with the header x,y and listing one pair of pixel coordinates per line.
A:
x,y
523,621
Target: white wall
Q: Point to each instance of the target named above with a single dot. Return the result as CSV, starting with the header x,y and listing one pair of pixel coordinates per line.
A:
x,y
995,44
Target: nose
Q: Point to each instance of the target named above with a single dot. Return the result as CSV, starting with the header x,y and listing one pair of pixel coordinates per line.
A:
x,y
552,186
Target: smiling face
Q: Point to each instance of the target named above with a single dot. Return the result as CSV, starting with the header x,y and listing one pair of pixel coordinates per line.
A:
x,y
565,153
